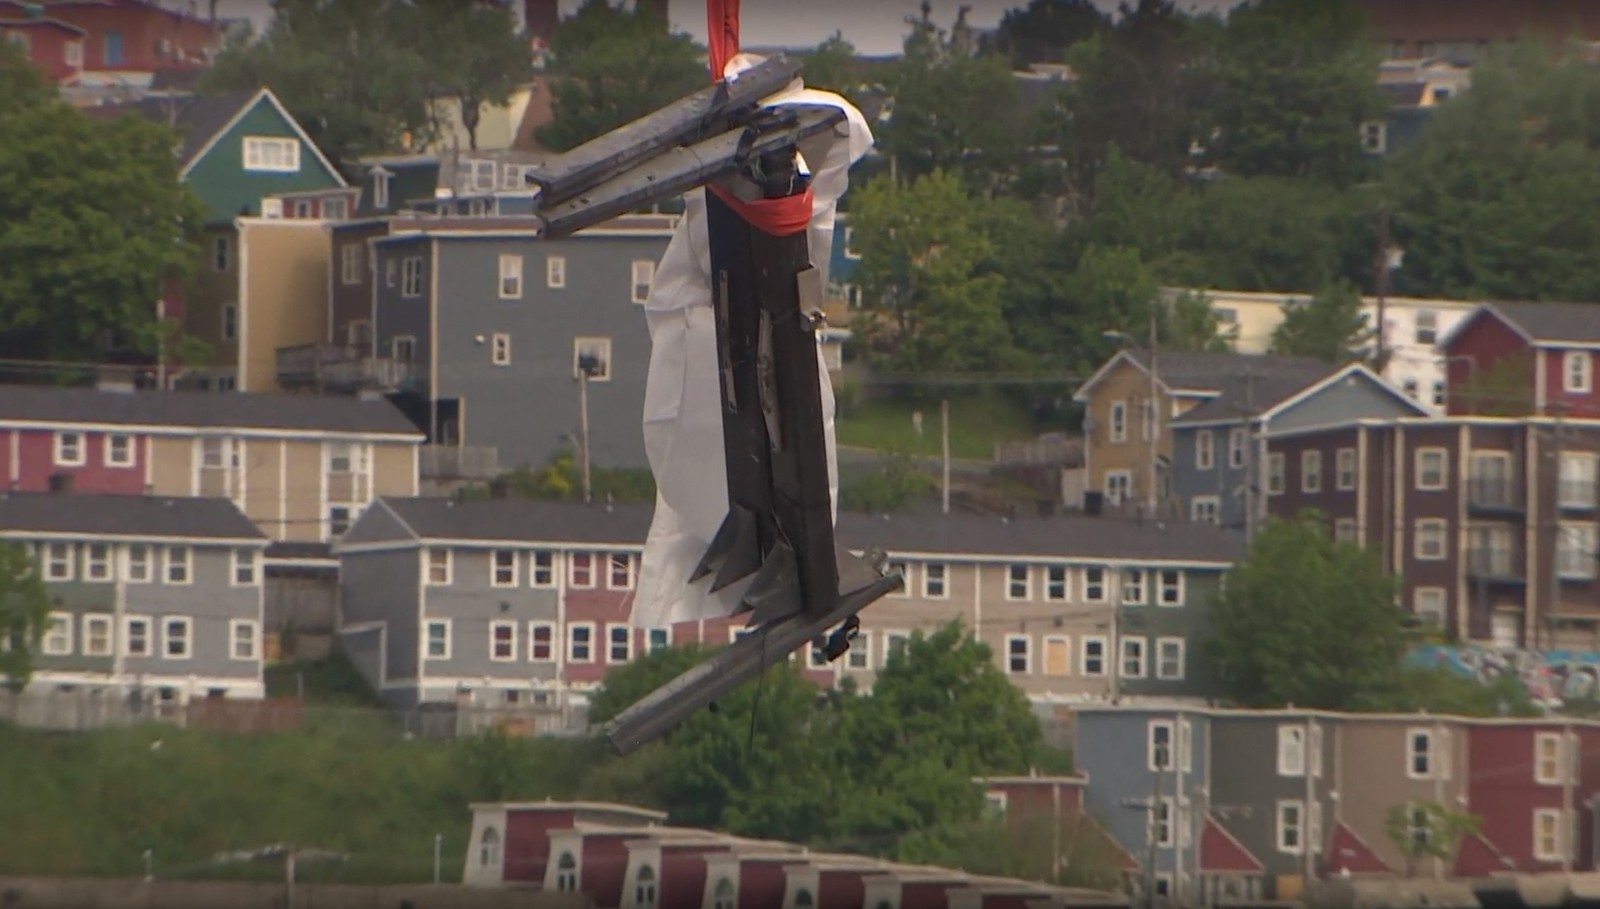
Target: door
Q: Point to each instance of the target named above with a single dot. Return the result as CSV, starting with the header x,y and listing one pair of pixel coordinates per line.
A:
x,y
1057,651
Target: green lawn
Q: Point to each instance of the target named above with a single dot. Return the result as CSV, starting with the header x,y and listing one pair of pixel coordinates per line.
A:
x,y
977,421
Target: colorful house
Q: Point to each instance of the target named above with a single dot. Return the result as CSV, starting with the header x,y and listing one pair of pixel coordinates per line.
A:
x,y
1525,358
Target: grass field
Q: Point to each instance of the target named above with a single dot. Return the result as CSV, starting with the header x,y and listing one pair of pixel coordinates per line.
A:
x,y
977,422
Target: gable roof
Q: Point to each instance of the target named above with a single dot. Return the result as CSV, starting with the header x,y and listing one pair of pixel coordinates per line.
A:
x,y
1271,395
53,406
6,21
1200,372
1221,851
1540,324
1477,857
135,517
1347,851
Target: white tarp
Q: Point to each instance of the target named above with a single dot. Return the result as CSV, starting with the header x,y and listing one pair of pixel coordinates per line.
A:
x,y
683,405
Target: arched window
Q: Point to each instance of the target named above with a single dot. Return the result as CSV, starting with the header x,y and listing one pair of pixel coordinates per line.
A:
x,y
803,900
644,888
723,897
489,848
567,873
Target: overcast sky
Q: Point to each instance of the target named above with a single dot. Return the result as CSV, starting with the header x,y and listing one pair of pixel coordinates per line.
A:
x,y
874,26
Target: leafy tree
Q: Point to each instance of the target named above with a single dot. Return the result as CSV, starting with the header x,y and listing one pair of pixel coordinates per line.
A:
x,y
616,65
1427,829
1294,83
896,484
475,54
1331,327
24,606
1027,848
1044,30
1111,291
81,273
559,480
834,66
1442,691
1188,322
626,685
1308,621
1270,234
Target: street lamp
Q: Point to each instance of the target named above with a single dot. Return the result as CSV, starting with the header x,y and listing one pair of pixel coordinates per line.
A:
x,y
1152,428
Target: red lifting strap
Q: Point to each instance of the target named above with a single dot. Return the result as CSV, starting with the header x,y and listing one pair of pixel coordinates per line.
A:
x,y
722,21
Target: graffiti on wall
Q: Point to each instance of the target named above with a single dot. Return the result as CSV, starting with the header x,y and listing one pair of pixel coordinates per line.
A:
x,y
1551,678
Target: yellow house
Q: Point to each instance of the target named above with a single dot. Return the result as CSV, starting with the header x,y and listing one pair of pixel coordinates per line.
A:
x,y
500,126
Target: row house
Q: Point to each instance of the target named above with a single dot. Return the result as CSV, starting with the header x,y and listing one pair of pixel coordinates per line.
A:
x,y
54,46
1288,797
1129,416
619,855
124,38
1412,328
1493,524
1223,473
1511,359
508,602
147,594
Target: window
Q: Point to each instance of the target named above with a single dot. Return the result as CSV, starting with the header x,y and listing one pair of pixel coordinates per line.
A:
x,y
1291,835
178,565
1169,658
904,568
1275,474
567,874
230,321
1548,843
1171,587
503,568
1133,587
380,192
1412,389
221,252
1094,584
57,637
1119,486
97,641
489,848
502,641
411,276
1433,471
244,568
619,643
1205,510
72,54
176,637
510,276
119,450
580,569
644,889
403,348
1576,371
58,559
438,639
555,272
1429,604
1019,582
1162,816
69,449
335,209
620,576
542,570
1419,754
541,642
725,896
1133,658
113,44
1575,551
97,562
592,357
644,274
657,639
136,569
860,654
1291,751
1427,326
1374,137
350,263
933,580
1548,759
1018,656
136,636
1430,539
1345,469
1577,480
439,567
1205,449
1119,421
271,154
1057,655
1159,751
500,349
1440,393
1093,658
1055,583
580,643
1310,471
244,639
1236,443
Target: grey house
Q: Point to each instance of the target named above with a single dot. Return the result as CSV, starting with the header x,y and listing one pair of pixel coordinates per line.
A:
x,y
496,323
1221,468
490,603
151,594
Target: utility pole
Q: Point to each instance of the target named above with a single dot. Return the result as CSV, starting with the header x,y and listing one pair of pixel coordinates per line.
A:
x,y
1381,288
944,444
583,425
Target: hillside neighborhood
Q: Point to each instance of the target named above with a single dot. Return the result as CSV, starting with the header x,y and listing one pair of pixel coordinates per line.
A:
x,y
1244,479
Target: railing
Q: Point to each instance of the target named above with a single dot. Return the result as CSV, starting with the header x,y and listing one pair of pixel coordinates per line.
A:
x,y
1493,493
332,366
459,462
1493,562
1578,494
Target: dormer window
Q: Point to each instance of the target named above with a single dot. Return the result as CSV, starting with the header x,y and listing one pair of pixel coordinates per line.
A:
x,y
380,189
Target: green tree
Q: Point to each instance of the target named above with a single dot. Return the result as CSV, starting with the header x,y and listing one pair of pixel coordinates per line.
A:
x,y
1294,83
1308,621
1044,30
1188,322
1427,829
24,605
81,272
616,65
834,66
1330,327
1110,290
896,483
475,54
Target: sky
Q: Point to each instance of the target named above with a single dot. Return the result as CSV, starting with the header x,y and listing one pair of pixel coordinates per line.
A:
x,y
875,27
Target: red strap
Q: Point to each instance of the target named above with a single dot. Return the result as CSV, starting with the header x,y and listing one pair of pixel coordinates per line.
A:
x,y
722,21
783,217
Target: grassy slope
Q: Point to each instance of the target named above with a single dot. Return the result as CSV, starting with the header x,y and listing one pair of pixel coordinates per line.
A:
x,y
977,421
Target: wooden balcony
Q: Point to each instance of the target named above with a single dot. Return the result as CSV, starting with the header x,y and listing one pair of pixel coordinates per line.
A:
x,y
332,368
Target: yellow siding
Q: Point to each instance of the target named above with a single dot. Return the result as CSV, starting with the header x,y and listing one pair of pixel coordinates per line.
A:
x,y
173,470
393,469
284,298
303,498
1131,386
262,472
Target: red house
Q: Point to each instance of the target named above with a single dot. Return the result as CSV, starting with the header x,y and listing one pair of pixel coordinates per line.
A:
x,y
53,45
1524,358
133,35
1527,780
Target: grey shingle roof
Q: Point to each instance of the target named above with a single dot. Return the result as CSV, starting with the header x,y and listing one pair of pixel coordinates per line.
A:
x,y
917,531
46,404
197,118
150,517
1185,370
1554,322
1252,389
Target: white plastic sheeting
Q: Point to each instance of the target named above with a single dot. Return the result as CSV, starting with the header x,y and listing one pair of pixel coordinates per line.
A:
x,y
683,405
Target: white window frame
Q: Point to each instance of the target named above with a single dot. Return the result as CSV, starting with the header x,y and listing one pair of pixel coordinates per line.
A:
x,y
350,263
1292,749
1011,582
1282,826
905,569
1577,371
108,623
1205,510
1119,486
1153,748
614,640
510,285
131,567
604,345
512,650
1345,469
1057,583
542,568
936,581
168,622
430,562
126,643
58,637
1578,472
1434,601
495,568
1275,473
552,641
244,567
185,566
123,458
271,154
1205,450
1096,591
99,570
1238,440
1133,586
1311,470
1420,472
1429,755
1140,658
60,561
1117,422
1163,821
643,278
447,639
244,631
411,276
859,657
1424,531
1181,646
78,453
1086,660
1555,743
1554,818
1173,581
1011,655
500,348
572,570
1575,550
555,272
571,642
630,566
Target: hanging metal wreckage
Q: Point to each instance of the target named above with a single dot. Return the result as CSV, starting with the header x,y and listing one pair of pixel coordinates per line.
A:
x,y
736,308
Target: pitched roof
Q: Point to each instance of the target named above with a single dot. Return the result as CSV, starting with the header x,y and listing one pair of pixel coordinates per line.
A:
x,y
1477,857
1254,389
1347,851
1221,851
141,517
927,532
1555,323
48,405
197,118
1202,372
